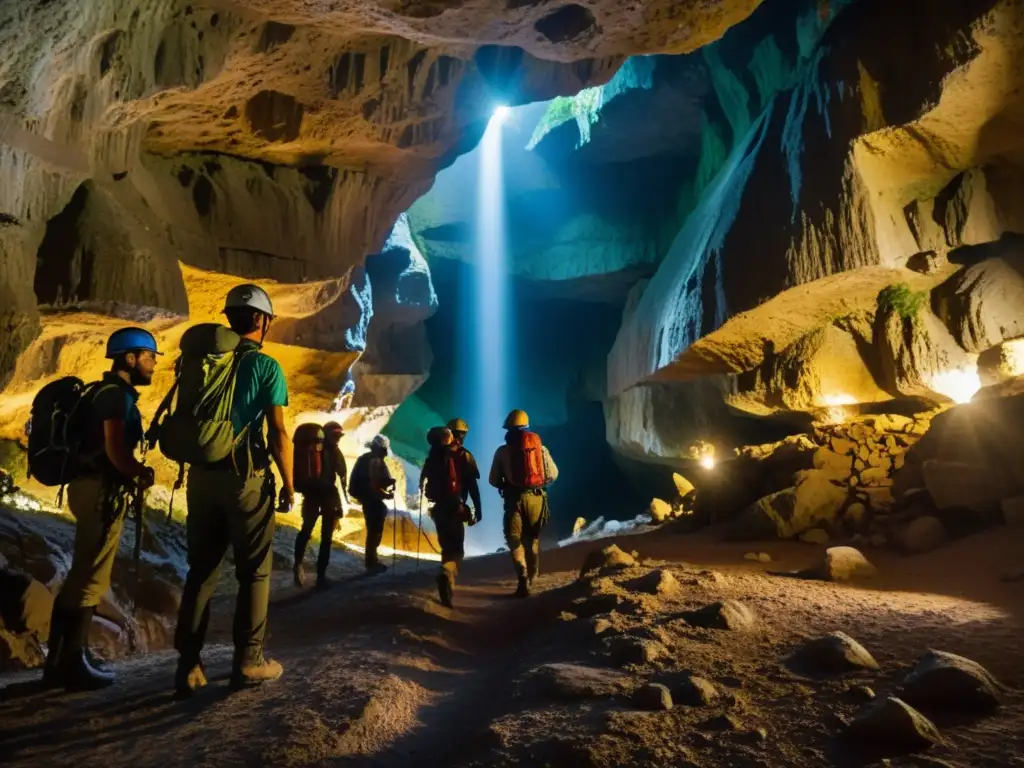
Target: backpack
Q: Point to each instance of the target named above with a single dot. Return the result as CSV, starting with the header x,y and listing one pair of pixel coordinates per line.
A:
x,y
526,460
307,461
198,430
57,430
441,476
359,482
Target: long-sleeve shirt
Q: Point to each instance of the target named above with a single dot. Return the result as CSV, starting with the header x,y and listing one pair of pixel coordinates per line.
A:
x,y
501,468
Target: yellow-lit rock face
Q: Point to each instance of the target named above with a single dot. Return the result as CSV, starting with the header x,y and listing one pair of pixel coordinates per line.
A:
x,y
176,147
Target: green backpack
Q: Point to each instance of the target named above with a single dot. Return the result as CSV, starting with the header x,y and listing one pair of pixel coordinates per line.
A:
x,y
198,429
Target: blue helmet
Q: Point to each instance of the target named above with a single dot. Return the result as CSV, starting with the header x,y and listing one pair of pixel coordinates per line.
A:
x,y
130,340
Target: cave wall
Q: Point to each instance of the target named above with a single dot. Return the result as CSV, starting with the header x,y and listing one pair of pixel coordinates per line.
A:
x,y
861,174
154,153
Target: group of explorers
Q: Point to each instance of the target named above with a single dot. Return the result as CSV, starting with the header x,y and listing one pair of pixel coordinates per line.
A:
x,y
224,419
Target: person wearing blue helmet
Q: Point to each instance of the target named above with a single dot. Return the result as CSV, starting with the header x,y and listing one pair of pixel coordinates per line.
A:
x,y
99,498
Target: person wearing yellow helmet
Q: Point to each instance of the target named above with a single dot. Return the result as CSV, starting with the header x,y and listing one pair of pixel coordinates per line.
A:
x,y
468,466
521,471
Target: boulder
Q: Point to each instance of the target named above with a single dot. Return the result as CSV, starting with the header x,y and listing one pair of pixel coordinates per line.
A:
x,y
891,725
724,722
1001,363
658,582
653,697
660,510
696,691
815,536
846,564
815,499
758,557
842,446
875,476
834,654
609,558
683,486
728,614
832,462
945,681
982,303
574,682
923,535
958,485
634,650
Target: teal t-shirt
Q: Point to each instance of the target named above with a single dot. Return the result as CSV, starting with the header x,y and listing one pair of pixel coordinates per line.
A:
x,y
260,384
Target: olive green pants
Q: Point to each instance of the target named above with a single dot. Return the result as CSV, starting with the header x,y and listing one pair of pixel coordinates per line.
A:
x,y
325,504
451,535
526,515
227,510
99,508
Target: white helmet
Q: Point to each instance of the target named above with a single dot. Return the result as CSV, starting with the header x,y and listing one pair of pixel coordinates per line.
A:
x,y
380,442
251,296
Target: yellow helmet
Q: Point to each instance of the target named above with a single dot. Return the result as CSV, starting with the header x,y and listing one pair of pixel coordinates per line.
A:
x,y
458,425
517,418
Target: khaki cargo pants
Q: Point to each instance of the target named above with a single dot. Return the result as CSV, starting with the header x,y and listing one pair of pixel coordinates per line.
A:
x,y
526,514
225,510
451,535
99,507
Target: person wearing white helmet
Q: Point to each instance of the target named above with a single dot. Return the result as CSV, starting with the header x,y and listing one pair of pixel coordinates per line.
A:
x,y
371,485
233,505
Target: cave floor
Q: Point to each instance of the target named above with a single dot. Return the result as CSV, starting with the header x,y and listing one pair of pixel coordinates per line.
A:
x,y
377,673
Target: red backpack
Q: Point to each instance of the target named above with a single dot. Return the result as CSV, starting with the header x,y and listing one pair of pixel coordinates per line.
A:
x,y
442,476
526,460
307,461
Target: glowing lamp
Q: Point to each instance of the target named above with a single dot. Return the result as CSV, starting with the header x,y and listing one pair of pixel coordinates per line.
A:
x,y
707,461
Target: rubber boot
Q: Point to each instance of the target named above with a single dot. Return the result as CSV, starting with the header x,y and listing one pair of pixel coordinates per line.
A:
x,y
76,671
523,590
52,677
445,592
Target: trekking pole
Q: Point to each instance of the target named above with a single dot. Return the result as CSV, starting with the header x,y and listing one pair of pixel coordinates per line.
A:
x,y
394,534
137,506
419,532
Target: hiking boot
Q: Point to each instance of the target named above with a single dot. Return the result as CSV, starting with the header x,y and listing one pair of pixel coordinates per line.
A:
x,y
373,570
263,671
300,577
444,590
523,590
322,583
77,674
189,678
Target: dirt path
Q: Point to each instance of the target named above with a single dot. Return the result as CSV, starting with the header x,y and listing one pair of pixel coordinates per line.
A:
x,y
377,673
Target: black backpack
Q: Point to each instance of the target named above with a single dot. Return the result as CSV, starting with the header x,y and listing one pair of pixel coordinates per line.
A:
x,y
359,482
57,430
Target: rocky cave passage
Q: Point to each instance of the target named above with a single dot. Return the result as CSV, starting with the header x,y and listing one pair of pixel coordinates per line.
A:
x,y
766,264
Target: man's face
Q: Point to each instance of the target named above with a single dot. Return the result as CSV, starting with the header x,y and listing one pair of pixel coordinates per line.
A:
x,y
141,365
459,438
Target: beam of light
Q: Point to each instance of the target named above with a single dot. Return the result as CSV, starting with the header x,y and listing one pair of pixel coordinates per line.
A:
x,y
707,461
958,384
501,113
485,340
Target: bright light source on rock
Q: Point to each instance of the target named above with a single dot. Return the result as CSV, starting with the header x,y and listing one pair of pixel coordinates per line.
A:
x,y
707,461
959,385
501,112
